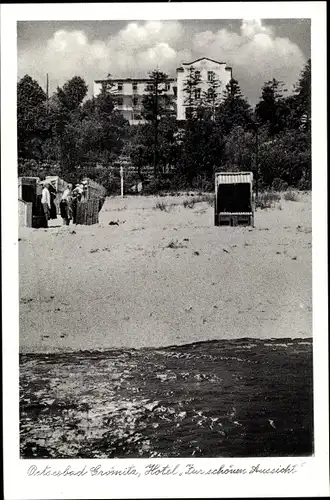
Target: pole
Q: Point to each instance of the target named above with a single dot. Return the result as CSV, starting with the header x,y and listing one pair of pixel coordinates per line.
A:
x,y
47,87
156,126
133,114
257,164
122,182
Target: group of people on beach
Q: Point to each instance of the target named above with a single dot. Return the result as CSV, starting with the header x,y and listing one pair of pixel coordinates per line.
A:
x,y
68,203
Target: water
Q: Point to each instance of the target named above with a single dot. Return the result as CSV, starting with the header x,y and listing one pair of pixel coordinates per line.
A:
x,y
238,398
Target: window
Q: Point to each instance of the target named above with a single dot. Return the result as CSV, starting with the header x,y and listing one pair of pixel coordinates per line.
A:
x,y
210,76
167,86
120,101
120,86
197,93
197,74
135,101
135,86
175,91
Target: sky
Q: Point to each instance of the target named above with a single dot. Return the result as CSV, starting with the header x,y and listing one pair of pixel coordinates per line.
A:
x,y
257,50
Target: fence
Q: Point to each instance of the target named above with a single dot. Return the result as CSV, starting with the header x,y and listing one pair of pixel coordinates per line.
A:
x,y
88,212
24,213
93,190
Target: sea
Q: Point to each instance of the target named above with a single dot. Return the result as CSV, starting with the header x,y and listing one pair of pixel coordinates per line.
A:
x,y
223,398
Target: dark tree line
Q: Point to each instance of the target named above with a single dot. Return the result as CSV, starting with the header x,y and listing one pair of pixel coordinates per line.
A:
x,y
221,132
67,132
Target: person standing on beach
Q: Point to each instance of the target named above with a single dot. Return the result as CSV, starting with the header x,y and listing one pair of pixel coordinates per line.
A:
x,y
53,209
66,205
76,198
46,203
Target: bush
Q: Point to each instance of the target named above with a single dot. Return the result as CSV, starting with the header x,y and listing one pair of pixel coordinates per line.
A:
x,y
207,198
156,186
150,188
160,205
286,156
267,200
211,199
110,180
304,184
279,185
203,198
202,184
189,203
291,196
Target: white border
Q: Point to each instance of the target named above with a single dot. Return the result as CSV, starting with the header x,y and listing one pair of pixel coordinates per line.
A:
x,y
313,478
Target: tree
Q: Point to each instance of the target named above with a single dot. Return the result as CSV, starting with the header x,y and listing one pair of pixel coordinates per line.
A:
x,y
65,112
299,103
155,104
234,110
271,109
202,149
141,147
103,130
72,94
29,93
32,123
303,90
167,142
211,96
237,150
192,92
106,100
287,157
103,104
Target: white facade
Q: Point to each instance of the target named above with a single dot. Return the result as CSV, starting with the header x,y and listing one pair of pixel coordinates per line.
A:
x,y
129,94
208,68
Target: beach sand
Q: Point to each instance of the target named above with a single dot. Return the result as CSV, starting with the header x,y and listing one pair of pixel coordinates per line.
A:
x,y
162,278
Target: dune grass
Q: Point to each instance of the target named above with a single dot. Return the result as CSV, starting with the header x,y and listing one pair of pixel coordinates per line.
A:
x,y
268,199
290,196
202,198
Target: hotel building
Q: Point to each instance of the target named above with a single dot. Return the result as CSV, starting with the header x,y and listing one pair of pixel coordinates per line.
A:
x,y
208,69
129,91
129,95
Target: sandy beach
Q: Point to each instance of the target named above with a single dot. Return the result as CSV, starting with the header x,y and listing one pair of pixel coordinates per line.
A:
x,y
160,278
156,334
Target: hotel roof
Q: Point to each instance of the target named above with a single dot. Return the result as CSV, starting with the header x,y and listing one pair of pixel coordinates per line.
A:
x,y
202,59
